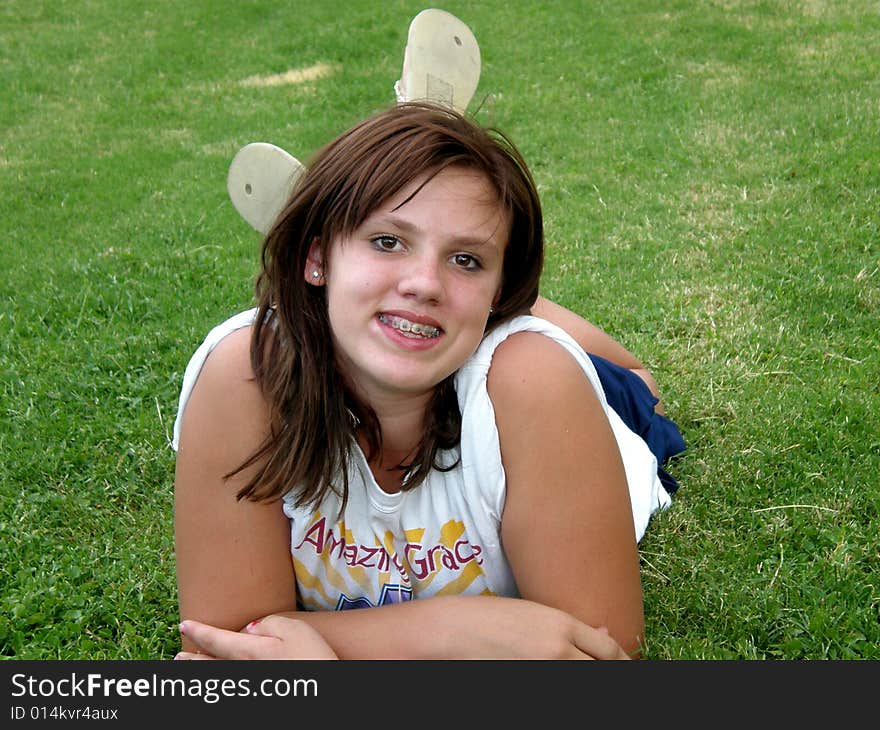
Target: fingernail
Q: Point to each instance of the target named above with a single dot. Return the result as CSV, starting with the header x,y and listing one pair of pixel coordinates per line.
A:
x,y
182,628
251,626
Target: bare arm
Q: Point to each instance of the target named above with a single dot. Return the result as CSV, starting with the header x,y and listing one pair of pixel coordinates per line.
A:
x,y
567,525
233,557
595,341
445,627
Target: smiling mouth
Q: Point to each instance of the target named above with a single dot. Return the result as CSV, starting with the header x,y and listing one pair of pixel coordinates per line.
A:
x,y
414,330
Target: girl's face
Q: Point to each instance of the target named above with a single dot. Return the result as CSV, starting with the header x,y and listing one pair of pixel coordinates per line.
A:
x,y
409,291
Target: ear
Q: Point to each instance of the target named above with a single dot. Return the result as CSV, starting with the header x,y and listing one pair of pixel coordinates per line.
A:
x,y
314,269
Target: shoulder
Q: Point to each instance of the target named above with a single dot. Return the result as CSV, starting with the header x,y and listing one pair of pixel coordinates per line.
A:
x,y
546,407
226,403
227,375
512,342
532,369
230,338
230,359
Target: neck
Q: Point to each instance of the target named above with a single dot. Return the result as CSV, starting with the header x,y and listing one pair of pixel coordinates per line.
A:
x,y
401,422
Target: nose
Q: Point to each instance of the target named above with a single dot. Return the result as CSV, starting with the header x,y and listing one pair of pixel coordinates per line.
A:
x,y
421,278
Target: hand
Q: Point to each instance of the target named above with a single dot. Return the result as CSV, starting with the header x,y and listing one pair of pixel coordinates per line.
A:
x,y
274,637
548,633
490,627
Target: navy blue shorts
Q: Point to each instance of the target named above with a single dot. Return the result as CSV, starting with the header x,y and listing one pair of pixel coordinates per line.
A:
x,y
634,402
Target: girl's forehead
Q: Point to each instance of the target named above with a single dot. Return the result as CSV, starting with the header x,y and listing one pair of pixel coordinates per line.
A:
x,y
459,190
456,185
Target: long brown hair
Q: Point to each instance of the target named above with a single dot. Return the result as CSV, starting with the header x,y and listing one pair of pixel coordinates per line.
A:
x,y
314,415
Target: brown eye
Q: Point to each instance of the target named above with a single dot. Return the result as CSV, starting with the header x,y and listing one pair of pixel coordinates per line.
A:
x,y
386,243
465,261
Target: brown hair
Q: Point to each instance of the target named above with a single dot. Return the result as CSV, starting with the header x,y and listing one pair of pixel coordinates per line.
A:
x,y
314,415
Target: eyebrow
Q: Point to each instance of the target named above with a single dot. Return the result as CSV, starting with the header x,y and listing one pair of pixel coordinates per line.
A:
x,y
407,227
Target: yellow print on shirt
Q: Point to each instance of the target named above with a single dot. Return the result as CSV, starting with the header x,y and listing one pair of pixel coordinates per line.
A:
x,y
334,570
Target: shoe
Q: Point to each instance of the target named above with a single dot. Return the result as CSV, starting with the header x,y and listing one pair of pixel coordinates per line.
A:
x,y
260,180
441,62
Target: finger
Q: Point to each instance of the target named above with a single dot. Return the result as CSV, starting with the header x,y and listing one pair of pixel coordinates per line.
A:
x,y
298,639
221,643
622,654
598,644
278,627
192,656
267,626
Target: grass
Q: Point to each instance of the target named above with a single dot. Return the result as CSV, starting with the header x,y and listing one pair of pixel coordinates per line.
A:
x,y
711,178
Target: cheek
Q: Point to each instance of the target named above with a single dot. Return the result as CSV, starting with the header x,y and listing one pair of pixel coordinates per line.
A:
x,y
474,309
358,275
491,293
351,295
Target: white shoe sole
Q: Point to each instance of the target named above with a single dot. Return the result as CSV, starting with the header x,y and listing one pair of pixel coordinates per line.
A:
x,y
260,181
441,62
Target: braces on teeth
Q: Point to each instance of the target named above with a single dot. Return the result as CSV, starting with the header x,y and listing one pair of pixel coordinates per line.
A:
x,y
404,325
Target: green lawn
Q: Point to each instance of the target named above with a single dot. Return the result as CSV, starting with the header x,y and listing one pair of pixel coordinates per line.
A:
x,y
710,173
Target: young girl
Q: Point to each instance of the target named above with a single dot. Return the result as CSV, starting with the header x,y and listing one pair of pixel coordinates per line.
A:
x,y
388,425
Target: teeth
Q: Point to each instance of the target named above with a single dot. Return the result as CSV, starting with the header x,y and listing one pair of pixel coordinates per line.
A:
x,y
410,328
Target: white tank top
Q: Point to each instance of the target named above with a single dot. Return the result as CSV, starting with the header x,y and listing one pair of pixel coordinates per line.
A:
x,y
444,536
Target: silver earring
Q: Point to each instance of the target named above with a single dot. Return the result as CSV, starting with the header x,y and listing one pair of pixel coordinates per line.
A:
x,y
491,310
315,274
